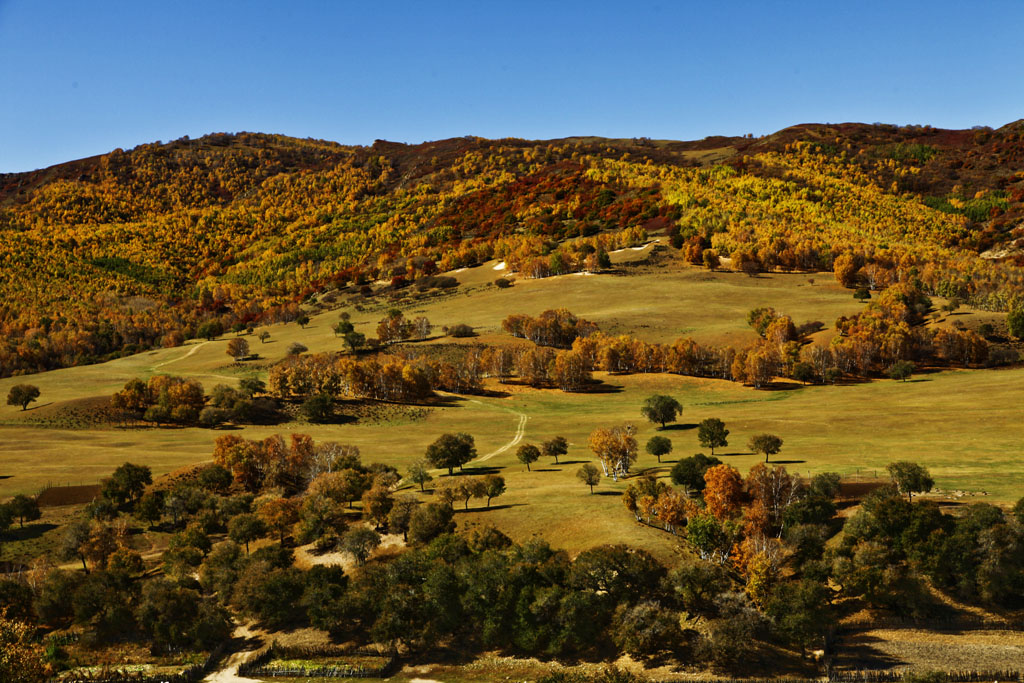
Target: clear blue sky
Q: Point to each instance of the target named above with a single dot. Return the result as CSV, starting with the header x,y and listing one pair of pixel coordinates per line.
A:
x,y
80,78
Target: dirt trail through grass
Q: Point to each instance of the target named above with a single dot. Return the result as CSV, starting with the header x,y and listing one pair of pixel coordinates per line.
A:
x,y
245,644
194,348
520,431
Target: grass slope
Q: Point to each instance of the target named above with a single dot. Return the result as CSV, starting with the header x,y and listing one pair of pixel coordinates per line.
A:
x,y
964,425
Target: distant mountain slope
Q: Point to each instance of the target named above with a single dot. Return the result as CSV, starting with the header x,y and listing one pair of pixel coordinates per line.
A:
x,y
122,251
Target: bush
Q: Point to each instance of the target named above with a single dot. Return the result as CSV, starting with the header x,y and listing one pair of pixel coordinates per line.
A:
x,y
211,416
502,283
430,521
460,330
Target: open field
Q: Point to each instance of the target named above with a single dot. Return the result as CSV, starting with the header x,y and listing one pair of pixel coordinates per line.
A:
x,y
964,425
921,650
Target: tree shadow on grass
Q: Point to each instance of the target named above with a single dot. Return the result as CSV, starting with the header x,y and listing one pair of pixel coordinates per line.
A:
x,y
782,386
599,387
484,508
38,405
785,462
482,469
545,469
678,427
607,493
30,532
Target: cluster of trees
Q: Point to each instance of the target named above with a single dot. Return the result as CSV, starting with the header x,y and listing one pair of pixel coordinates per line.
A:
x,y
395,327
388,378
488,486
893,545
555,327
166,399
482,592
276,462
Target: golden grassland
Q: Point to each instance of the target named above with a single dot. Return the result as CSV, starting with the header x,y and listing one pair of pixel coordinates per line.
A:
x,y
963,424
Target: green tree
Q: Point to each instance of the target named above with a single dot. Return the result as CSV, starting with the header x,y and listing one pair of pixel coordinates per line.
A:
x,y
528,453
712,434
803,372
418,474
450,451
172,616
430,520
589,475
215,479
302,320
555,447
401,515
901,370
150,507
210,330
318,408
689,472
765,444
246,528
825,485
659,446
493,486
22,395
127,483
359,543
910,478
1015,321
661,409
645,629
24,509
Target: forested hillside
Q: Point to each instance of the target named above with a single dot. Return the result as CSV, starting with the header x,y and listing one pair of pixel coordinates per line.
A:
x,y
133,249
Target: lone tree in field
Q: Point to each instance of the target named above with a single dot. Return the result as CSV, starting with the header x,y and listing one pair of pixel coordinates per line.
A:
x,y
712,434
22,395
238,348
263,336
527,454
659,446
589,475
451,451
901,369
768,444
302,320
555,447
418,474
910,478
661,408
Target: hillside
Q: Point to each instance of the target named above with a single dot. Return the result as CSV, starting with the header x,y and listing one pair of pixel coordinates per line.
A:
x,y
135,249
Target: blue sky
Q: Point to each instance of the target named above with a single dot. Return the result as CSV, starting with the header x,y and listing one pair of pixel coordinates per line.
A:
x,y
81,78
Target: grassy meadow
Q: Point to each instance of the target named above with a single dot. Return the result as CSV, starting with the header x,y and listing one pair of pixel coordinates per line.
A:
x,y
964,425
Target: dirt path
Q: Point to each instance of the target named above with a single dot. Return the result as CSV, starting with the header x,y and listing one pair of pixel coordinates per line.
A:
x,y
243,646
520,431
195,347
